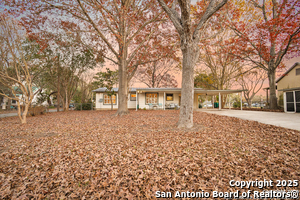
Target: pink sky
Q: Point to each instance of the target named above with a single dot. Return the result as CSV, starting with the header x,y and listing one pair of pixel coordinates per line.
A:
x,y
288,63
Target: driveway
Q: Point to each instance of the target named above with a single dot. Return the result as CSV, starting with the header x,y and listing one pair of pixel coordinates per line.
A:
x,y
286,120
16,114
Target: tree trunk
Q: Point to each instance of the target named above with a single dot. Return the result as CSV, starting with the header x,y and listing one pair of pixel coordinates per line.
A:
x,y
24,114
123,89
58,90
66,102
273,98
190,52
249,102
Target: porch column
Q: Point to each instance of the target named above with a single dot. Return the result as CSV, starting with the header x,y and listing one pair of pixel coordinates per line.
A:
x,y
206,101
164,101
220,101
136,99
213,103
241,100
229,102
284,102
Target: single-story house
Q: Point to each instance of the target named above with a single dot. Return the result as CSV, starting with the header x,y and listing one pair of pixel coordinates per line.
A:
x,y
5,100
151,98
288,86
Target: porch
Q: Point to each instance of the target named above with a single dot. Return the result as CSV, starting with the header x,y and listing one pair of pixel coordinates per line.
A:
x,y
170,98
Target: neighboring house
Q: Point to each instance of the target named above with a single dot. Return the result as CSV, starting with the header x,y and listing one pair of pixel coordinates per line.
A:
x,y
4,103
288,87
151,98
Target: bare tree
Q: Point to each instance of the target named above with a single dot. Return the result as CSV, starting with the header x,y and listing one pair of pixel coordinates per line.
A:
x,y
190,34
158,74
15,69
218,61
86,87
251,83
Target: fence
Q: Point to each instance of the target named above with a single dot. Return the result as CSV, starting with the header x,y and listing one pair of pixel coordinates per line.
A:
x,y
81,106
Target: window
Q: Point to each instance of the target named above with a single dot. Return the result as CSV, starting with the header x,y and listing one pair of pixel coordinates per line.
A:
x,y
169,97
13,101
107,99
132,97
297,71
151,98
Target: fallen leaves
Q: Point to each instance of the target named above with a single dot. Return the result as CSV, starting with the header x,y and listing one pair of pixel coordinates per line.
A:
x,y
94,154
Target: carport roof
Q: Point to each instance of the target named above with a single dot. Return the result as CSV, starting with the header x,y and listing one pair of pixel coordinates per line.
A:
x,y
290,89
178,90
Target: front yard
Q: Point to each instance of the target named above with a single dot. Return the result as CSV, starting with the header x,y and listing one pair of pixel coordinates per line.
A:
x,y
96,155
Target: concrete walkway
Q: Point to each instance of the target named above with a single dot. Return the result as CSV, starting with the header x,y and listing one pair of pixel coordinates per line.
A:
x,y
16,114
286,120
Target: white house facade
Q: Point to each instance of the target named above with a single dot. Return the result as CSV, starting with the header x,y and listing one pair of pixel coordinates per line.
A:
x,y
5,100
154,98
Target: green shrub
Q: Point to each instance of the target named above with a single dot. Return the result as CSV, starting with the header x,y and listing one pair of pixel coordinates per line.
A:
x,y
85,106
237,104
200,106
280,102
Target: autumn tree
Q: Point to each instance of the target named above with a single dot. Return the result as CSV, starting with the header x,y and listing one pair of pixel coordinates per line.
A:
x,y
190,33
205,81
268,31
85,88
129,30
252,83
15,67
158,74
66,60
107,80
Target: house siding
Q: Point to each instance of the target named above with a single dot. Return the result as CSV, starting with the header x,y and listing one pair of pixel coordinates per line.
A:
x,y
141,101
290,80
102,106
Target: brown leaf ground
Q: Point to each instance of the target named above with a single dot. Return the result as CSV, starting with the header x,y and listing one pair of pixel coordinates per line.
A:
x,y
94,154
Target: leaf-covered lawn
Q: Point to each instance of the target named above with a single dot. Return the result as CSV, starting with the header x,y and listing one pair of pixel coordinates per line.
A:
x,y
94,154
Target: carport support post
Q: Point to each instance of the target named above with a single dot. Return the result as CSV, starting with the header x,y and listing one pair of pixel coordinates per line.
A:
x,y
220,101
206,101
284,102
241,100
164,100
136,99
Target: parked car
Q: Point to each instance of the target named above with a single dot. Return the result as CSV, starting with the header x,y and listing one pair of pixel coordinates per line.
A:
x,y
209,105
71,105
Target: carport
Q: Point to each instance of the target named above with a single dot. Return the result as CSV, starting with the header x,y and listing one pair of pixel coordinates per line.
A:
x,y
199,91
